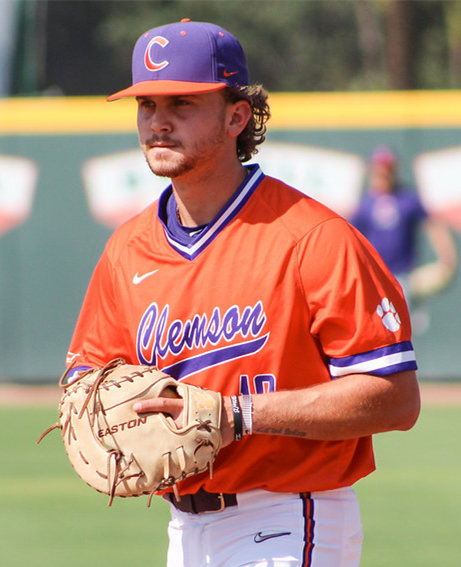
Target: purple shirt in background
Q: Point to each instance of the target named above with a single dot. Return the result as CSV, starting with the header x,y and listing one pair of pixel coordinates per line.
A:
x,y
390,222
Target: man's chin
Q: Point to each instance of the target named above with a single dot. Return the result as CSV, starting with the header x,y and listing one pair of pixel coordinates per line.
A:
x,y
171,170
160,172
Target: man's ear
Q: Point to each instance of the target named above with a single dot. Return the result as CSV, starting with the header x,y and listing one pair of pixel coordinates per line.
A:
x,y
239,115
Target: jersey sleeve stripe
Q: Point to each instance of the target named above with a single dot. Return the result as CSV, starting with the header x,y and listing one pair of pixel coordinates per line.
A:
x,y
74,373
381,362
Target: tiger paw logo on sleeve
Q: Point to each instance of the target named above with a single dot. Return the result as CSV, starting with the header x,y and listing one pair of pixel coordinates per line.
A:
x,y
389,316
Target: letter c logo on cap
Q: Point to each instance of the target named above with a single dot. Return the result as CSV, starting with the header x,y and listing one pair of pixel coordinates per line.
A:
x,y
152,65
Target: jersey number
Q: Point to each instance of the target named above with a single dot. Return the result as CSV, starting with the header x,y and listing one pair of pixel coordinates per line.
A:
x,y
262,383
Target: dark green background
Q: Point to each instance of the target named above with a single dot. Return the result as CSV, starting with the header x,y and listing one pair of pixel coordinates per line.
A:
x,y
46,263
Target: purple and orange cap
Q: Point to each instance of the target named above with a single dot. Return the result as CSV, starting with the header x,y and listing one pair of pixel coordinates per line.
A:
x,y
384,156
185,58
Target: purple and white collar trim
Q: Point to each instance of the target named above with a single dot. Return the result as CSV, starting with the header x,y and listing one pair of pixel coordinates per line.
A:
x,y
199,242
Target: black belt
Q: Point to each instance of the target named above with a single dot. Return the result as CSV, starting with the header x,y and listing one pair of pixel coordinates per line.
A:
x,y
202,501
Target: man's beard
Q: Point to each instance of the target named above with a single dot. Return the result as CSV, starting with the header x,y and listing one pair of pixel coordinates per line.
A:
x,y
175,163
171,168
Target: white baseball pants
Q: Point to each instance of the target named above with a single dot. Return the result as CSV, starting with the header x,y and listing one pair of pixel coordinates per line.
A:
x,y
266,529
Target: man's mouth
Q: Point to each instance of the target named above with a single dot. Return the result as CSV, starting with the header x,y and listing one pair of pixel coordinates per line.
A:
x,y
161,144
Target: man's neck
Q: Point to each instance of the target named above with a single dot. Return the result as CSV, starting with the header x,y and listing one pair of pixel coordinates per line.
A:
x,y
200,200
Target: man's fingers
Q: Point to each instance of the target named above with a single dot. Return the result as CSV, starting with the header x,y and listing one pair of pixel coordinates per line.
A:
x,y
171,406
145,406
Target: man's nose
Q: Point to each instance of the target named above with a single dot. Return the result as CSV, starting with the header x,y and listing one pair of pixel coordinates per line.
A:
x,y
160,121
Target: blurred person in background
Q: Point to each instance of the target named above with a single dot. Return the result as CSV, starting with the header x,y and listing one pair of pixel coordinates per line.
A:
x,y
390,215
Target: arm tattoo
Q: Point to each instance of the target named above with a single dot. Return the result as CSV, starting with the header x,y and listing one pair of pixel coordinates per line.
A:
x,y
280,431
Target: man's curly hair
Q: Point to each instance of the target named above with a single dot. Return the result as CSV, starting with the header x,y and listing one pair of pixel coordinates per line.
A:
x,y
255,131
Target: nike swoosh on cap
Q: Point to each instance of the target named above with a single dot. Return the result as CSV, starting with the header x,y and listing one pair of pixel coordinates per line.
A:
x,y
137,279
260,537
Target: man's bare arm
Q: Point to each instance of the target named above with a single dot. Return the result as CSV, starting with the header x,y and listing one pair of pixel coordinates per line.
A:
x,y
346,408
349,407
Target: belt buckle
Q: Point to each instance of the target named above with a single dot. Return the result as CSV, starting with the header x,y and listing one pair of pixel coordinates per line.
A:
x,y
222,505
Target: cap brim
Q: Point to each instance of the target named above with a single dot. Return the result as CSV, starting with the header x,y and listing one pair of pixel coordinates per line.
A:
x,y
148,88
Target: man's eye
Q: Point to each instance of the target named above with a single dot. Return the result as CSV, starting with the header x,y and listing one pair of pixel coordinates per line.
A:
x,y
146,103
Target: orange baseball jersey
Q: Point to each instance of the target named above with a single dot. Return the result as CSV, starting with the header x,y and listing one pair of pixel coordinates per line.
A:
x,y
277,292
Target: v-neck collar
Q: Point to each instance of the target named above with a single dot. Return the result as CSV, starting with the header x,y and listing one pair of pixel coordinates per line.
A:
x,y
190,243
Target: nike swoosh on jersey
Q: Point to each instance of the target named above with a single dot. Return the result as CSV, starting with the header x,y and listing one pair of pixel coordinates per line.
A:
x,y
260,537
137,279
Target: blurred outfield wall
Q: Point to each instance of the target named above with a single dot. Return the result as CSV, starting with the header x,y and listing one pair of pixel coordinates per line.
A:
x,y
54,223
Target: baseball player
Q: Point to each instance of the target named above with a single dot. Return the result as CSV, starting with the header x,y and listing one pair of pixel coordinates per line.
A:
x,y
238,283
390,216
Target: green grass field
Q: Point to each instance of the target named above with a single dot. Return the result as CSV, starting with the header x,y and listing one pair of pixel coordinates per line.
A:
x,y
411,507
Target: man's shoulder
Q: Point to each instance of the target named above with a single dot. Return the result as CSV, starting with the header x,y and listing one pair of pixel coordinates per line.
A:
x,y
135,229
410,198
292,207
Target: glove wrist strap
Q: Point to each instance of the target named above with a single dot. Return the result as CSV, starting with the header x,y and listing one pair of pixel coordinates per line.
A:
x,y
238,422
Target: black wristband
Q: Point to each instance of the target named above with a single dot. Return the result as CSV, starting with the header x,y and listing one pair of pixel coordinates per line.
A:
x,y
238,423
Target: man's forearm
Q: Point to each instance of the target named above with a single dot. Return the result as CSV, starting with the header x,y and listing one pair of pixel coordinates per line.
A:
x,y
345,408
348,407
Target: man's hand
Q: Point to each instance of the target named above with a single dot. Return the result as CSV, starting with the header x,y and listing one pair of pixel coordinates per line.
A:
x,y
100,429
174,406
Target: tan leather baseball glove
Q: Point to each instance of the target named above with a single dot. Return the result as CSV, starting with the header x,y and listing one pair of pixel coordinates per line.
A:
x,y
120,453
